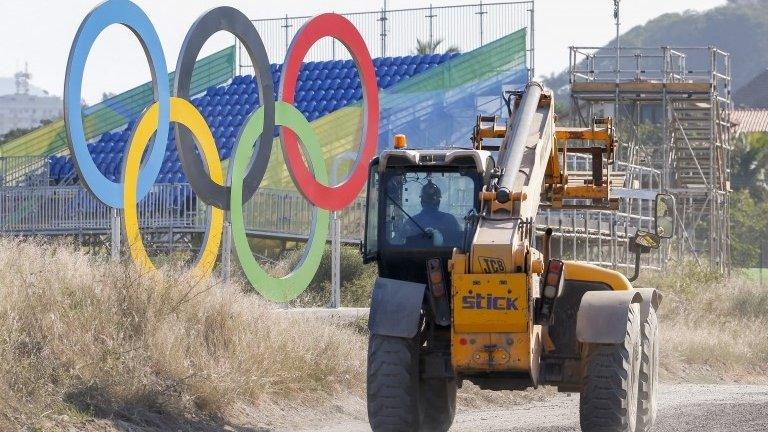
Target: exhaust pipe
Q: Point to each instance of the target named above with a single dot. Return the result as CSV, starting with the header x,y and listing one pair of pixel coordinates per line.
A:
x,y
546,245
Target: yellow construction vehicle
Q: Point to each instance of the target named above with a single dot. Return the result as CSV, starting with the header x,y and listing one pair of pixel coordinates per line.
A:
x,y
466,292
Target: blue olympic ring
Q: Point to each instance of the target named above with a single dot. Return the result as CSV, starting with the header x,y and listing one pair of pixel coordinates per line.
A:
x,y
131,16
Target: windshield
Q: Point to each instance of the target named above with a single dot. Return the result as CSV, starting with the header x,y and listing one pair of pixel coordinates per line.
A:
x,y
427,208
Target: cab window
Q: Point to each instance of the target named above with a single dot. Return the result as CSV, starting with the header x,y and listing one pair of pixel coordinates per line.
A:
x,y
425,208
371,238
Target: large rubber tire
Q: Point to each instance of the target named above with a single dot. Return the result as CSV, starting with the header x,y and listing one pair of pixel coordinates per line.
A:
x,y
649,374
437,400
393,384
608,401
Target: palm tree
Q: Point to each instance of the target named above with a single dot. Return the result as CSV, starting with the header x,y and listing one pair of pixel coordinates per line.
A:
x,y
430,47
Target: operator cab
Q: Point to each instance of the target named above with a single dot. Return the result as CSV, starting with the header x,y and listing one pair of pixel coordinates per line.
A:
x,y
425,200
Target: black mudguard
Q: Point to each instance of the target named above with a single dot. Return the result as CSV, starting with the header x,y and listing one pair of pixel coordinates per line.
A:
x,y
602,316
395,307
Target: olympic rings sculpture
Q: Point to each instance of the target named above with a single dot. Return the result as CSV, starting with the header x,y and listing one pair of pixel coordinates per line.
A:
x,y
250,157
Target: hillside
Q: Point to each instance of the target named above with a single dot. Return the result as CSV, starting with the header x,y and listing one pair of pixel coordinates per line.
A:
x,y
738,28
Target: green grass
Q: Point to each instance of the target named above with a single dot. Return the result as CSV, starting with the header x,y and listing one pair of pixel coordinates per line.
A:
x,y
754,274
356,278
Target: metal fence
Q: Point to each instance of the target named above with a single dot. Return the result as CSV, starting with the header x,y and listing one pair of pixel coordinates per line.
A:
x,y
396,32
598,237
62,210
67,209
24,171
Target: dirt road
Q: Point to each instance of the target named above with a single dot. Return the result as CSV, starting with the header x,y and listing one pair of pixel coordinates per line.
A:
x,y
683,408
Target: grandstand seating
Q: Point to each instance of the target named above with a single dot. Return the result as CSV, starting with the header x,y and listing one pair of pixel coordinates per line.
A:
x,y
322,87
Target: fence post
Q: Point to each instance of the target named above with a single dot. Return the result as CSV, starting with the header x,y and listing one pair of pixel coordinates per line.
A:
x,y
239,56
481,13
763,247
383,33
226,251
335,260
115,234
286,26
336,233
430,16
531,73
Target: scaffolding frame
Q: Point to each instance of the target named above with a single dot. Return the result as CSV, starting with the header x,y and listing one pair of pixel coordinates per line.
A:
x,y
686,93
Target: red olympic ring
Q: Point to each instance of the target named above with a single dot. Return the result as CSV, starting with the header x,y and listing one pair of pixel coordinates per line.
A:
x,y
336,26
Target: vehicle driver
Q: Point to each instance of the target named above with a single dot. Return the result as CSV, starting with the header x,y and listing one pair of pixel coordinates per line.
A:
x,y
443,226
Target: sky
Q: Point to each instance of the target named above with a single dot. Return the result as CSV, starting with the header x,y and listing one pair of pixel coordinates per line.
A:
x,y
40,32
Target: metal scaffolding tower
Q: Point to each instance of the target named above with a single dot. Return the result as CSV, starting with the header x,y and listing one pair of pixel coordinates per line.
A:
x,y
672,107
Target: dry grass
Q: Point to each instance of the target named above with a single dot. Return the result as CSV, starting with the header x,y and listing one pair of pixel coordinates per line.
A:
x,y
713,328
356,278
83,337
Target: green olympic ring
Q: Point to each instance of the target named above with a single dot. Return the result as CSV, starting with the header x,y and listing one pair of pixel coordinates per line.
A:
x,y
290,286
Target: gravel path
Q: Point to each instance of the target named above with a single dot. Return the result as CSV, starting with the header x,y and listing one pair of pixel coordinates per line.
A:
x,y
682,408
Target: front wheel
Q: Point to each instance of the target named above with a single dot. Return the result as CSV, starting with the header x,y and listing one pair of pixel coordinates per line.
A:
x,y
649,373
608,401
393,384
437,398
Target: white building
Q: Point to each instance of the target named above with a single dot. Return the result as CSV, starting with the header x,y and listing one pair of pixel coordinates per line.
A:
x,y
25,110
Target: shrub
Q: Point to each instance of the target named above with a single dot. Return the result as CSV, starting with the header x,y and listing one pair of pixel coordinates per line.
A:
x,y
78,334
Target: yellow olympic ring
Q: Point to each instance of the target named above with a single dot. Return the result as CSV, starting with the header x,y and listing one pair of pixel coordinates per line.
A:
x,y
184,113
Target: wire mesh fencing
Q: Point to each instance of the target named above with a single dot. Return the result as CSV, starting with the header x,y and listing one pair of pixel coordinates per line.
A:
x,y
400,32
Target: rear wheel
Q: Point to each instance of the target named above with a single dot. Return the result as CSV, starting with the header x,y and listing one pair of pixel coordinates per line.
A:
x,y
393,384
608,401
649,373
437,400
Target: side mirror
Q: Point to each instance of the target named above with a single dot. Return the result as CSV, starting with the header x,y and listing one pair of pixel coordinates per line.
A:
x,y
647,241
641,243
664,215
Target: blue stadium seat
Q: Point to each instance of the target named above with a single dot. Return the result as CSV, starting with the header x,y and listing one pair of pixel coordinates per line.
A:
x,y
55,171
322,87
